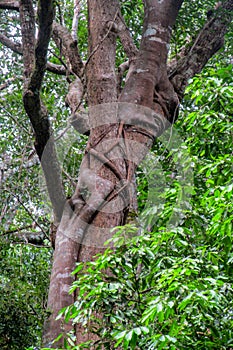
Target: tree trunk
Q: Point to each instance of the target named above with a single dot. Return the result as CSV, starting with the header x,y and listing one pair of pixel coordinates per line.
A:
x,y
122,130
124,120
121,134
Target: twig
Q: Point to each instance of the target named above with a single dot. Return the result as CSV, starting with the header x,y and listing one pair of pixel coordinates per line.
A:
x,y
7,83
20,125
16,230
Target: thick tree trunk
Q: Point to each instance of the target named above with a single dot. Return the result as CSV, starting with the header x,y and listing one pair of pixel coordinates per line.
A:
x,y
120,136
123,120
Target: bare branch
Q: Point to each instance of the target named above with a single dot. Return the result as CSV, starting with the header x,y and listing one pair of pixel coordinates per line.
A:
x,y
6,84
125,37
9,5
21,236
209,40
77,8
17,48
8,232
56,68
35,60
69,48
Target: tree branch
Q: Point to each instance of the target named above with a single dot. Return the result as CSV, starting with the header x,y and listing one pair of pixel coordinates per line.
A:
x,y
45,19
77,8
125,37
209,40
36,238
56,68
9,5
62,36
35,60
27,19
6,84
17,48
147,83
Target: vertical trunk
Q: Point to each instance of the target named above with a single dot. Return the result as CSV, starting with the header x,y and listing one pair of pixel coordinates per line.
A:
x,y
120,136
101,86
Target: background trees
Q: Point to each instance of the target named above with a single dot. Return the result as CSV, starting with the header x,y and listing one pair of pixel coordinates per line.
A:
x,y
203,236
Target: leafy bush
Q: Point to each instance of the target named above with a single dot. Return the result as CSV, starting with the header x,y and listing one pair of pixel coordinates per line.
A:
x,y
160,290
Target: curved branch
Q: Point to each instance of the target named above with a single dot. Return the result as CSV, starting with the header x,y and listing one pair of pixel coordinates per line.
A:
x,y
35,60
209,40
125,36
70,50
36,238
55,68
45,16
17,48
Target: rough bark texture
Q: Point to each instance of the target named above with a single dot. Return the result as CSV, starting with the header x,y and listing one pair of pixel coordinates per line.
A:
x,y
124,120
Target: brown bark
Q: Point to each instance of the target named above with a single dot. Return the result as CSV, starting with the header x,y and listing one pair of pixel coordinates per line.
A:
x,y
107,178
69,47
147,85
122,126
35,61
206,44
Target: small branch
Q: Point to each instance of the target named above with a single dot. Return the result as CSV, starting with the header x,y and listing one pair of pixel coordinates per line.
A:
x,y
15,120
69,48
9,5
6,84
77,8
36,238
126,38
31,216
16,47
56,68
72,181
33,245
16,230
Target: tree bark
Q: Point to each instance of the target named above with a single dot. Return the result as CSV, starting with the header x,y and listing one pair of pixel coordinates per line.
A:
x,y
124,120
35,61
146,106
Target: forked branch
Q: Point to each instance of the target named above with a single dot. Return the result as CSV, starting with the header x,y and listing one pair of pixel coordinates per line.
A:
x,y
209,40
35,61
